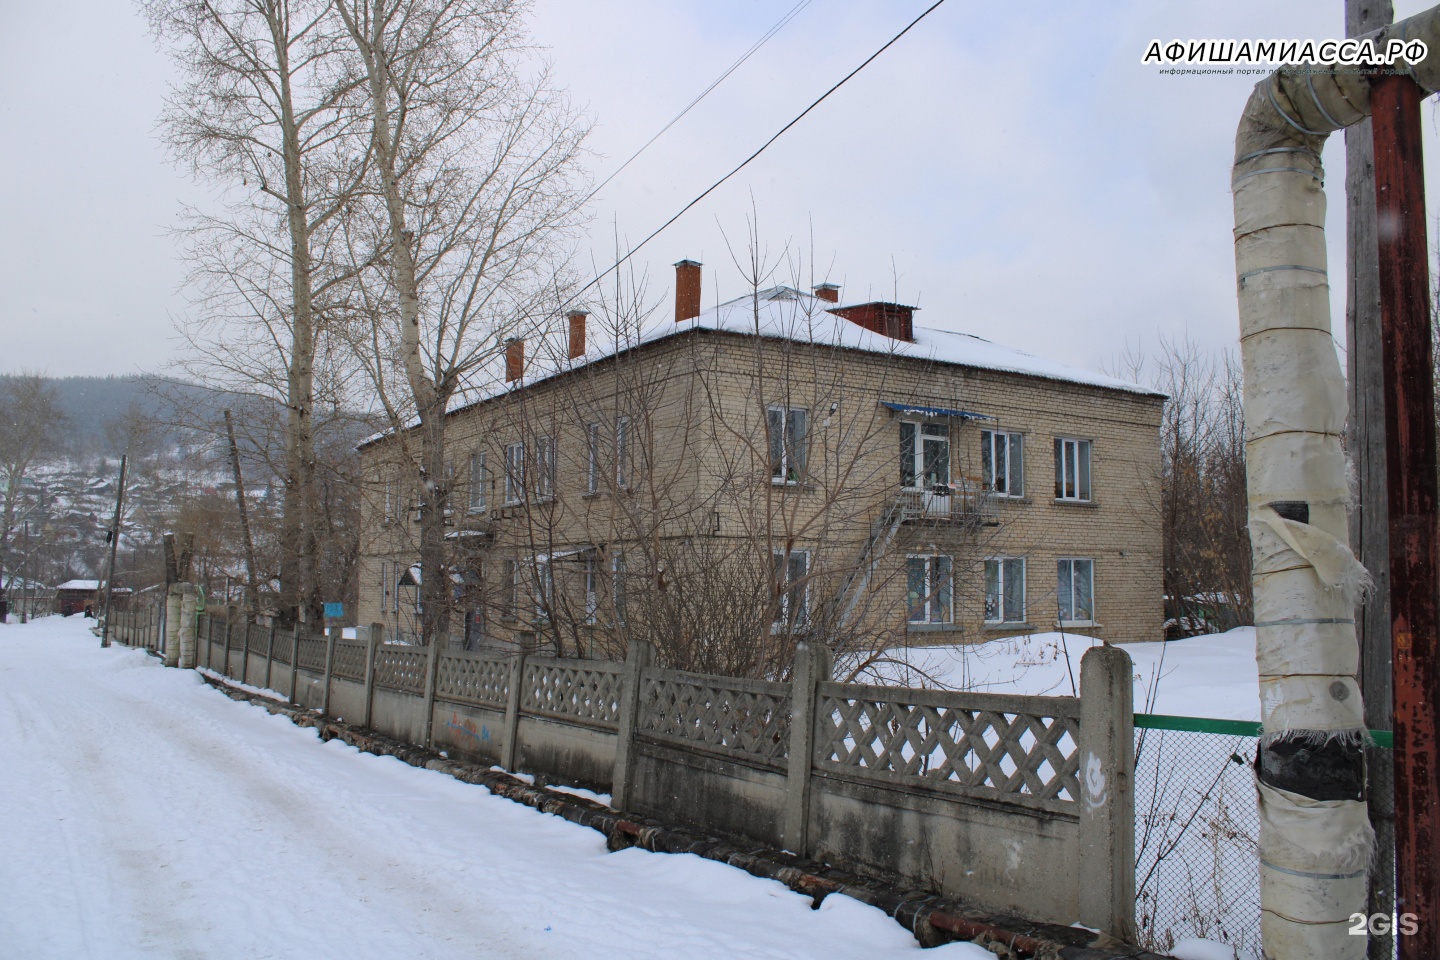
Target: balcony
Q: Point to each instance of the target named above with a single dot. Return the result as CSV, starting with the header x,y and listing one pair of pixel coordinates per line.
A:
x,y
965,502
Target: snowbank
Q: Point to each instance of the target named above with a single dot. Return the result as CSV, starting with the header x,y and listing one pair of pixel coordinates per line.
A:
x,y
1208,676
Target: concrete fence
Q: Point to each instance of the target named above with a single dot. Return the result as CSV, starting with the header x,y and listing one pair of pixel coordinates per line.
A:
x,y
1013,803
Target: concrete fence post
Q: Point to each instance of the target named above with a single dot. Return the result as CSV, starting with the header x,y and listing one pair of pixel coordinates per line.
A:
x,y
330,636
514,696
225,657
299,632
813,666
172,626
269,654
372,647
1107,792
432,670
245,650
189,615
637,659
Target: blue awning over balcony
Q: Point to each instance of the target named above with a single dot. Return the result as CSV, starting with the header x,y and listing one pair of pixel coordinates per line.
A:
x,y
935,411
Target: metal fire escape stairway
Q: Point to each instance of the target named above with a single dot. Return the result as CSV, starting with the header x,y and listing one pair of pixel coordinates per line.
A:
x,y
882,531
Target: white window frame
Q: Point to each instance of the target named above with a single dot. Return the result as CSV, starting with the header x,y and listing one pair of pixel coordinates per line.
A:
x,y
617,586
510,587
1074,474
545,468
592,587
477,482
937,575
390,482
622,452
791,588
912,477
543,578
1005,447
1004,568
1065,586
514,473
788,463
593,435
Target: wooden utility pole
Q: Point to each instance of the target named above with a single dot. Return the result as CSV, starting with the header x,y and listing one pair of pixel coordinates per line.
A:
x,y
1410,481
114,543
1365,444
252,587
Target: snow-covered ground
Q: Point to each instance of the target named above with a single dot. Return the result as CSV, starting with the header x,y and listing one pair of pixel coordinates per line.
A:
x,y
147,815
1209,676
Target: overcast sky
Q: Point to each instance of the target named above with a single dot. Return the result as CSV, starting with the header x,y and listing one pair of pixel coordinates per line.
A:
x,y
1013,170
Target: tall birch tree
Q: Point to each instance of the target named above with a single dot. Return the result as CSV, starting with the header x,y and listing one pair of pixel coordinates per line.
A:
x,y
258,113
476,188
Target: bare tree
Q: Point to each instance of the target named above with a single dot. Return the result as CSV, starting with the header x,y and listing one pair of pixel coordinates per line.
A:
x,y
32,429
476,188
258,112
1202,508
720,497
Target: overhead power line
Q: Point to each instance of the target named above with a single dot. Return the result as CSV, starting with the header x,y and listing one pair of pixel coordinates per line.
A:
x,y
763,147
795,10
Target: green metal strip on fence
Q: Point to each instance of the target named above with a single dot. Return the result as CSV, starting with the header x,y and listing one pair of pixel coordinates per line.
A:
x,y
1237,728
1159,721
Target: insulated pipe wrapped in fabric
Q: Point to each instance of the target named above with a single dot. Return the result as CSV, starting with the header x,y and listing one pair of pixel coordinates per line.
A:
x,y
1315,836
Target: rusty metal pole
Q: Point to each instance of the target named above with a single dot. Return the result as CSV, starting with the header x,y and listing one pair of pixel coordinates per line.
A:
x,y
1410,482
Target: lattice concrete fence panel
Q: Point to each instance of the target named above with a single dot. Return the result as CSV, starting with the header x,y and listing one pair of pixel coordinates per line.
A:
x,y
1015,803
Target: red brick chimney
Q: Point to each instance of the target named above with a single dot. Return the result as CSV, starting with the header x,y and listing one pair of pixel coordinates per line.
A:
x,y
827,291
514,359
577,333
687,290
893,320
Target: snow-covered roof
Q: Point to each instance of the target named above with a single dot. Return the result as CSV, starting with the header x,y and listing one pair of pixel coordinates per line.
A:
x,y
784,313
79,585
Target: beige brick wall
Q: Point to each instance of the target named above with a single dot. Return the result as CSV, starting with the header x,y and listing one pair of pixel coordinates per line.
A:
x,y
697,407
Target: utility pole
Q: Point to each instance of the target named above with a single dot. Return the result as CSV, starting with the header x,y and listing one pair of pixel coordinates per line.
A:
x,y
1411,487
252,587
1365,444
114,542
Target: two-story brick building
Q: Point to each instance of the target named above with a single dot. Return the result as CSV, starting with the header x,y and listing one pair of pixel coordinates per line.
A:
x,y
776,467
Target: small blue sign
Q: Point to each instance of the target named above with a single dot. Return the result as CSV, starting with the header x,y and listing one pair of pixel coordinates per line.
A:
x,y
334,611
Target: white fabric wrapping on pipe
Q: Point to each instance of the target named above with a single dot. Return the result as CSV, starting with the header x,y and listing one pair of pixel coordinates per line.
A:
x,y
1313,852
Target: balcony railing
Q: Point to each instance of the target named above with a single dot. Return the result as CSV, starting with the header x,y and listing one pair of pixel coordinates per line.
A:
x,y
963,502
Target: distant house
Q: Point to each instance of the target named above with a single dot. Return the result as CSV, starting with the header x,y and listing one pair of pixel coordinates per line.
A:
x,y
26,598
83,596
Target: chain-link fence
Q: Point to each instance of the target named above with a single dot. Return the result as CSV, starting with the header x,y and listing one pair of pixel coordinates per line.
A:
x,y
1197,831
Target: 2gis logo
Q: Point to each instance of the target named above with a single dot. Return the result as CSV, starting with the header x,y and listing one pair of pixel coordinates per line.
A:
x,y
1379,924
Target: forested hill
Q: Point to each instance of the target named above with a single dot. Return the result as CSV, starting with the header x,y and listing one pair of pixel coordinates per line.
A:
x,y
93,405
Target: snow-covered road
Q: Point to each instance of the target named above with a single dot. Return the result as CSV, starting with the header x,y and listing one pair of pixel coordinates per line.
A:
x,y
143,814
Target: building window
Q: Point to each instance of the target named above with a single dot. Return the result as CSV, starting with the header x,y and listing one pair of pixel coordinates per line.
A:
x,y
592,458
788,428
592,587
924,455
790,570
545,468
622,452
390,493
477,482
617,586
544,584
1005,590
514,473
1076,590
929,588
1002,462
1072,469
